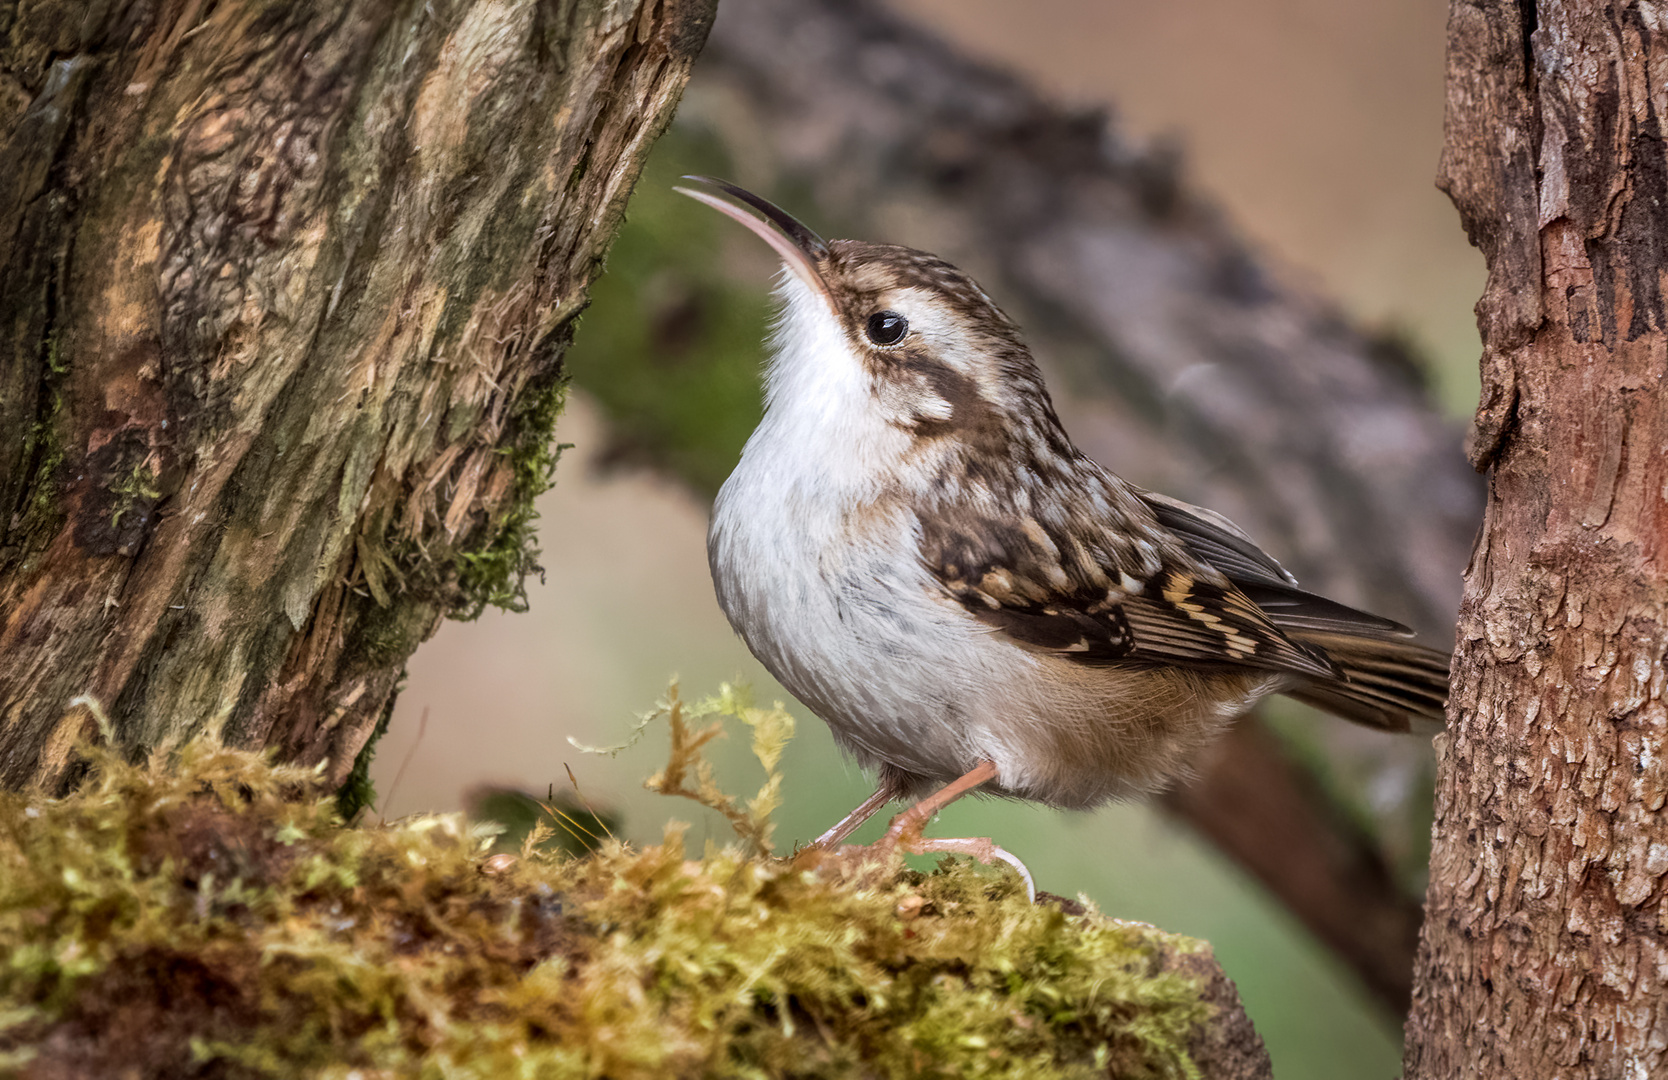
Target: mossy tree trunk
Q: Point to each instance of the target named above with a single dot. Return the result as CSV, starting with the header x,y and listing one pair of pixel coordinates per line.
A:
x,y
1545,948
284,294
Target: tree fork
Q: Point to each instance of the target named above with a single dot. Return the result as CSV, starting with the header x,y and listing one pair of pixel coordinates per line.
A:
x,y
284,294
1545,947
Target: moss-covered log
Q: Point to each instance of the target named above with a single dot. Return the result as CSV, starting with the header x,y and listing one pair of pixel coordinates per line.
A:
x,y
202,915
284,293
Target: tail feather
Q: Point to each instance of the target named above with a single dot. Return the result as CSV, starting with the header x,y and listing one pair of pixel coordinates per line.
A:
x,y
1385,682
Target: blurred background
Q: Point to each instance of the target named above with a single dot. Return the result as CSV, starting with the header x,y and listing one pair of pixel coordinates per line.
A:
x,y
1306,131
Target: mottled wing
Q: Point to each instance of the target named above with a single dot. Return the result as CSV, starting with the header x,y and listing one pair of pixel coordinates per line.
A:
x,y
1219,542
1383,679
1183,616
1090,596
1014,579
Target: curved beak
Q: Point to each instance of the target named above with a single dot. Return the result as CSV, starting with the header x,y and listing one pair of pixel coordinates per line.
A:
x,y
801,249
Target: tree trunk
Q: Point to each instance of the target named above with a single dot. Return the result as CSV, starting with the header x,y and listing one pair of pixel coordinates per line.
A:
x,y
286,290
1545,949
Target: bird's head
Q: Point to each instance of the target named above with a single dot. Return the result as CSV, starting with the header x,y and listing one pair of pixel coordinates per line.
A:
x,y
897,334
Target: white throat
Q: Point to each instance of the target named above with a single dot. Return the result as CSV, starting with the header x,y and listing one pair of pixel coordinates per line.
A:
x,y
821,436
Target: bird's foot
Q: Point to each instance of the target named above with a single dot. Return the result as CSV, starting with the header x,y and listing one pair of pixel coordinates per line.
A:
x,y
869,862
981,848
903,835
866,865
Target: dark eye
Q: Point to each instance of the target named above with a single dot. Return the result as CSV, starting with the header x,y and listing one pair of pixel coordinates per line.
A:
x,y
887,327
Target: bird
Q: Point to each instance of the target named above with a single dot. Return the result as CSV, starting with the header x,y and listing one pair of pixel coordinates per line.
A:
x,y
915,549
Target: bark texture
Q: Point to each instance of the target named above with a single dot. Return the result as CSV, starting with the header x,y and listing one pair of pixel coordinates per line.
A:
x,y
1188,365
1545,951
284,292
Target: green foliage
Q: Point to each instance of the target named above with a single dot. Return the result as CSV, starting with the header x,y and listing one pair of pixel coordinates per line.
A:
x,y
671,347
205,912
692,727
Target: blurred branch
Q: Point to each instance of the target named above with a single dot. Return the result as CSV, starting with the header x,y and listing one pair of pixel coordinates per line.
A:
x,y
1264,809
1178,356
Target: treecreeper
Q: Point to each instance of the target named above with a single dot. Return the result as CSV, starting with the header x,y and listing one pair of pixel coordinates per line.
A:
x,y
913,546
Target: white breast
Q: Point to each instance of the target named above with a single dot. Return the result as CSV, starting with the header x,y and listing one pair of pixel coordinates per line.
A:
x,y
808,568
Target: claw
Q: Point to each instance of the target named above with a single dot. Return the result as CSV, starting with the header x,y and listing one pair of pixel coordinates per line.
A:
x,y
876,856
905,831
979,847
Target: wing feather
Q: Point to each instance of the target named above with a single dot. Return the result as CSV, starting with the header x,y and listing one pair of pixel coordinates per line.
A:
x,y
1222,544
1155,580
1096,599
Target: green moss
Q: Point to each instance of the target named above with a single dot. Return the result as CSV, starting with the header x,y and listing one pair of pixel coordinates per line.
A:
x,y
44,440
204,914
357,794
138,485
671,346
495,574
489,566
55,363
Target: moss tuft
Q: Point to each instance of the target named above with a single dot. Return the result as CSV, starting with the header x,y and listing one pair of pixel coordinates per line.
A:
x,y
44,443
357,793
204,914
495,574
138,486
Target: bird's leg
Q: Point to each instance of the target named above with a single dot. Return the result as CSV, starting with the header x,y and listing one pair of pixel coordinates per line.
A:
x,y
907,826
905,830
854,820
904,833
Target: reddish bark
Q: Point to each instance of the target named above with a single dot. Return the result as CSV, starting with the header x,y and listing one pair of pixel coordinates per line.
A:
x,y
1545,951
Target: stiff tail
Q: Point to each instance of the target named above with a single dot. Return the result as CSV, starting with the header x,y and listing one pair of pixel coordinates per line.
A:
x,y
1386,682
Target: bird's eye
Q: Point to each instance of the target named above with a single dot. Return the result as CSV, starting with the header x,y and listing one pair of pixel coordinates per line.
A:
x,y
887,327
